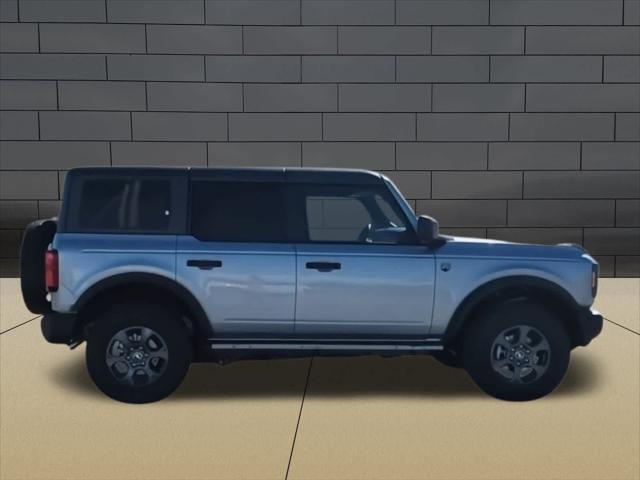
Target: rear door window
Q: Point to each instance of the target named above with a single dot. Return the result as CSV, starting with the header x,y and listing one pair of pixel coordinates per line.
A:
x,y
231,211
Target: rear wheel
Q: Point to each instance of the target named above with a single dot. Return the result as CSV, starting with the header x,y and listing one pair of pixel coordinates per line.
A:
x,y
517,351
138,353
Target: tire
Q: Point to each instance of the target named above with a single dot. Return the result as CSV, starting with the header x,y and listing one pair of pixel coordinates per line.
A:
x,y
37,237
496,346
138,352
449,358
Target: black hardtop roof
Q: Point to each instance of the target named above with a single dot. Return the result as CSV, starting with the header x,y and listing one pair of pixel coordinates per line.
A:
x,y
255,174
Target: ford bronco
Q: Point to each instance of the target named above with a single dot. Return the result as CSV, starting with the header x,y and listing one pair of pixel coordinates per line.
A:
x,y
158,267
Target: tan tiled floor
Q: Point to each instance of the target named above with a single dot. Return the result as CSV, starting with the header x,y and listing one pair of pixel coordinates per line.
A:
x,y
619,300
233,422
12,309
362,418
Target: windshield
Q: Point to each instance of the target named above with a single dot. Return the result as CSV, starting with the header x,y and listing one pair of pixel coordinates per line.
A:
x,y
404,205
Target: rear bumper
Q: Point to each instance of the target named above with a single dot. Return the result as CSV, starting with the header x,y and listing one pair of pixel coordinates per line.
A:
x,y
60,328
589,326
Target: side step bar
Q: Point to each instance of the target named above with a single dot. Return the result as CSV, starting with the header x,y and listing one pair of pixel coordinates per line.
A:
x,y
415,347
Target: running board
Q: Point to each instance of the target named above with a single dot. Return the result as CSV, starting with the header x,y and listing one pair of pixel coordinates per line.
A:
x,y
416,347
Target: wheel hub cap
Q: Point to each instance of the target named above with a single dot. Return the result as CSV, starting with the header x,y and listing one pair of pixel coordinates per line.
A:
x,y
521,354
137,356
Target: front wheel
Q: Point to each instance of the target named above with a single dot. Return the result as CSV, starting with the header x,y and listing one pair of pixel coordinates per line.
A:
x,y
517,350
138,353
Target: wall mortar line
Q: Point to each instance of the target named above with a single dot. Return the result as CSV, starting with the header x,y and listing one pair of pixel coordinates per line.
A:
x,y
555,140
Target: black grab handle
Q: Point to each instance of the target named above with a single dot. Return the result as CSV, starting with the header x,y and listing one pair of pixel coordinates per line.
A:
x,y
323,266
204,264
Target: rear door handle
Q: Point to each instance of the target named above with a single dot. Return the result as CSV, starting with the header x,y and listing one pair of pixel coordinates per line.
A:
x,y
324,266
204,264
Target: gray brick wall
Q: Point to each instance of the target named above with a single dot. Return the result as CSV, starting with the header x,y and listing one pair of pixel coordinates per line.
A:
x,y
513,119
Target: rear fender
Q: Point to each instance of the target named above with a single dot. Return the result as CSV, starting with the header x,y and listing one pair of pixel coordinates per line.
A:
x,y
165,288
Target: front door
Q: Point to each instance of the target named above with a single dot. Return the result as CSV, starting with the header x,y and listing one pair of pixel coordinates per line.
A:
x,y
236,261
361,271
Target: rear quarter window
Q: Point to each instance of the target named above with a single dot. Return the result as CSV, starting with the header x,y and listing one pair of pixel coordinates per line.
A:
x,y
125,204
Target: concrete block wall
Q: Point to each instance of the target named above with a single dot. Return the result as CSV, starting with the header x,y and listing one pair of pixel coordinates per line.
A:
x,y
513,119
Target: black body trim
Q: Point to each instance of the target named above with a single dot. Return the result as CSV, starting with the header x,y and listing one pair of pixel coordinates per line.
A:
x,y
60,328
200,317
589,326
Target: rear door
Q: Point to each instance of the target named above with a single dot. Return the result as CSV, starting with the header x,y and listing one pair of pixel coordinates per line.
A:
x,y
361,271
236,260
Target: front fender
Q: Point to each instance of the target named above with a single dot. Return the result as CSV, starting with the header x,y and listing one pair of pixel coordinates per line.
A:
x,y
476,297
466,277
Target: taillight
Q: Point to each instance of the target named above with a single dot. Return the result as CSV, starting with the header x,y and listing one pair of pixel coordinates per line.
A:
x,y
594,280
51,270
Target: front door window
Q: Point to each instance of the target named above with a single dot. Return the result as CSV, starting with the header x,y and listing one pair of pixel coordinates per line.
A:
x,y
353,214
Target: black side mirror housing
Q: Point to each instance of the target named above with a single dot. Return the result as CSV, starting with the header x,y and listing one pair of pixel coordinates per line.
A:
x,y
429,230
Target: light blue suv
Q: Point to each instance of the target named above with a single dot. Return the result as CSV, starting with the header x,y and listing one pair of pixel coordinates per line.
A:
x,y
157,267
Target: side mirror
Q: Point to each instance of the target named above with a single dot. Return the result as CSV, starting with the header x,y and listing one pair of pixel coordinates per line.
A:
x,y
428,230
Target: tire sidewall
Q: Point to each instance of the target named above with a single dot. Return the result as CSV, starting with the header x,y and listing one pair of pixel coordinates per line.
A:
x,y
166,323
486,328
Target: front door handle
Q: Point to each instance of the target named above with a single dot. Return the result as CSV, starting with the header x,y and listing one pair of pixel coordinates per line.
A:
x,y
323,266
204,264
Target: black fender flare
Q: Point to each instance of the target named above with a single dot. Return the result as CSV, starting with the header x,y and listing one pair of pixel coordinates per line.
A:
x,y
160,282
504,284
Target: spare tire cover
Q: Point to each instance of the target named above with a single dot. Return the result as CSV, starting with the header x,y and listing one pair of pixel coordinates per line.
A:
x,y
37,237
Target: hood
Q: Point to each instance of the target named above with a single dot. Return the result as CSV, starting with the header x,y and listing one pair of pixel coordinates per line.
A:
x,y
483,247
